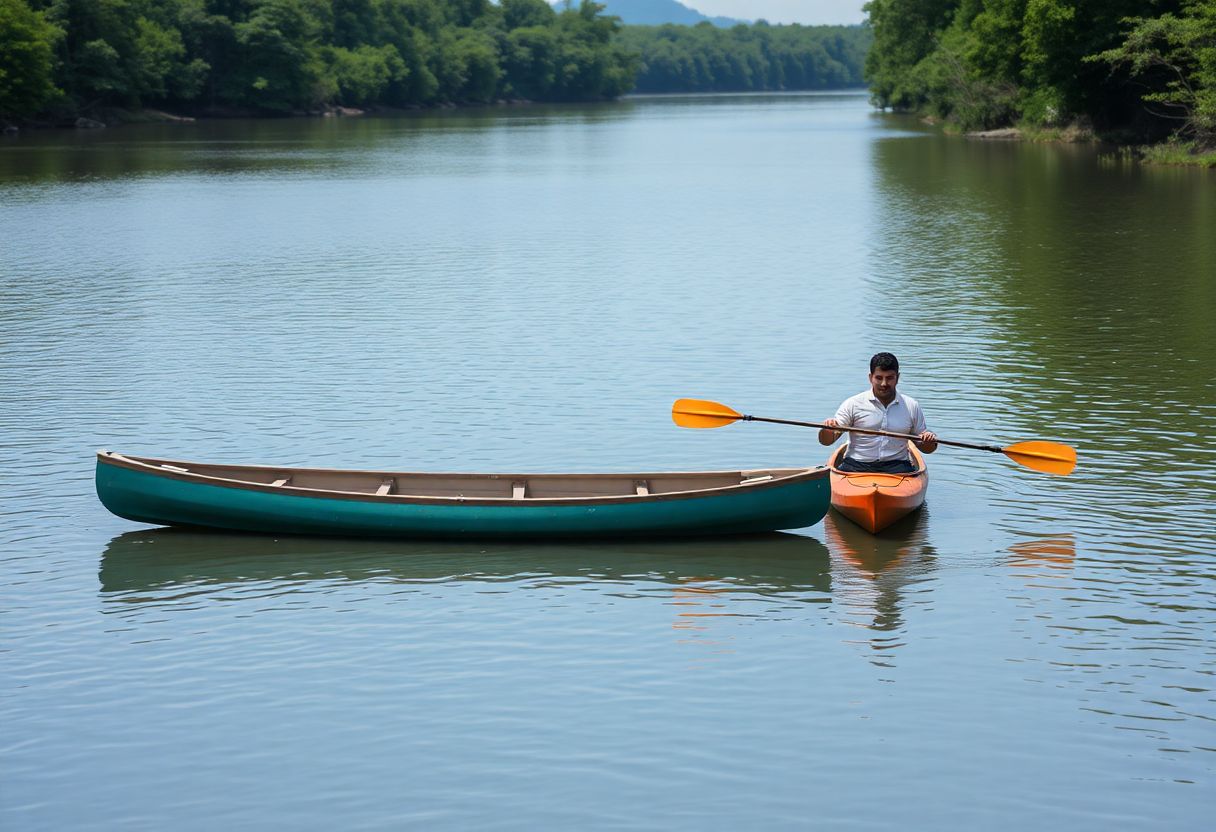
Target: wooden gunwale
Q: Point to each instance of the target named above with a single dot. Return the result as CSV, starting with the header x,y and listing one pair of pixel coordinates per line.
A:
x,y
153,466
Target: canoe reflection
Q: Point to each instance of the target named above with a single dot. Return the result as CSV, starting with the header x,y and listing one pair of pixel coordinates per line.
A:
x,y
143,565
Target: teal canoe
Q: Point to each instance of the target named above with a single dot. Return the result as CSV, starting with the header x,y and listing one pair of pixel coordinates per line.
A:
x,y
337,503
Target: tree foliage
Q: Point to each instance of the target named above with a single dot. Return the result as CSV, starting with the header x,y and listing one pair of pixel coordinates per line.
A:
x,y
1176,57
27,48
987,63
283,56
280,56
905,33
705,58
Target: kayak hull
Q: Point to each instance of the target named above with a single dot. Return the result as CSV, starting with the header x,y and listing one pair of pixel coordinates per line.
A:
x,y
875,501
368,504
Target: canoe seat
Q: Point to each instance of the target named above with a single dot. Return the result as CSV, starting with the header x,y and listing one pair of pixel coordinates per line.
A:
x,y
281,483
385,487
641,488
750,480
175,468
519,489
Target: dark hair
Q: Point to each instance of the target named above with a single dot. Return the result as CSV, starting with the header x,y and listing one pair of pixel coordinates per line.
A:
x,y
884,361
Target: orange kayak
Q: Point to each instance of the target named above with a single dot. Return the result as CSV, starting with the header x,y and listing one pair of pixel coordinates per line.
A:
x,y
875,501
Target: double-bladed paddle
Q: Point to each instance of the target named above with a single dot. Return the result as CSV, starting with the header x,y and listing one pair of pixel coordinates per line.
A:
x,y
1050,457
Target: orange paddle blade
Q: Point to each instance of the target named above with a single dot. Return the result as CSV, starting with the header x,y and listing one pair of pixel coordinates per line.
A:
x,y
697,413
1050,457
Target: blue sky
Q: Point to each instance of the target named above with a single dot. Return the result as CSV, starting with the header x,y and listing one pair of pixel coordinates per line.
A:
x,y
784,11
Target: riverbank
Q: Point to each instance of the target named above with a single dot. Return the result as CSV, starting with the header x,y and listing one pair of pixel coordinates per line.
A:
x,y
1175,153
118,117
1164,153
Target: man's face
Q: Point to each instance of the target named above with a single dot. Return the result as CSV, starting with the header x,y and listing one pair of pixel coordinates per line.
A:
x,y
883,382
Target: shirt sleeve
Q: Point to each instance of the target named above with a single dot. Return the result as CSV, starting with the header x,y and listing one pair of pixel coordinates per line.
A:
x,y
844,413
918,420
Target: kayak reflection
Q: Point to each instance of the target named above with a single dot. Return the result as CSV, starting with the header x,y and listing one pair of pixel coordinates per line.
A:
x,y
873,554
145,565
872,573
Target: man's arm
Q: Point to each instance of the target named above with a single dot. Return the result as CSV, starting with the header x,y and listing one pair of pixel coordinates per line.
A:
x,y
844,416
928,439
826,435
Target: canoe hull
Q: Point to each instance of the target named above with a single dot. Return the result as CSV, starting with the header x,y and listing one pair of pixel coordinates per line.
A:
x,y
150,497
875,501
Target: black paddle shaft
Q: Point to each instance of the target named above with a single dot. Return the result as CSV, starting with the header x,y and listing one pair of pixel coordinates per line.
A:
x,y
873,433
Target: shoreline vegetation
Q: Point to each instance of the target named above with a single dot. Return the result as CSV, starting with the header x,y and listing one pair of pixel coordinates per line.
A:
x,y
1140,76
88,63
1034,70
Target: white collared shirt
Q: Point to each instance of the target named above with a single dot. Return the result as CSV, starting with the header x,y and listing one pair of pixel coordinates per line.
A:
x,y
864,410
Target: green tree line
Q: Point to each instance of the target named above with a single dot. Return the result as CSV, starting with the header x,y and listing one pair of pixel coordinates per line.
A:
x,y
278,56
705,58
1134,69
63,58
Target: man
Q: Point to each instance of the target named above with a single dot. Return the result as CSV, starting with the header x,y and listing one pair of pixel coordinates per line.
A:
x,y
880,408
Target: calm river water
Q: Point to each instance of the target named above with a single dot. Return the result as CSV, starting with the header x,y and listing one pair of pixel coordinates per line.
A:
x,y
530,289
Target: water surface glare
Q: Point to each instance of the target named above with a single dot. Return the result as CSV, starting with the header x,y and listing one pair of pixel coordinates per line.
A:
x,y
530,289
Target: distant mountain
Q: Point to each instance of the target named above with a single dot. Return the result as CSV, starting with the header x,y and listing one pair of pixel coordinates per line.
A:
x,y
655,13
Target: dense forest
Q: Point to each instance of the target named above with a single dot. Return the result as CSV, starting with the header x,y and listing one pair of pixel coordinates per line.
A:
x,y
1132,70
282,56
706,58
60,59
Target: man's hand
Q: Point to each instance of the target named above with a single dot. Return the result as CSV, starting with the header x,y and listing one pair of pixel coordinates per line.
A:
x,y
927,442
826,434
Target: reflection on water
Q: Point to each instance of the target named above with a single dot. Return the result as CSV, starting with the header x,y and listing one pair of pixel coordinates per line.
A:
x,y
156,565
875,572
1070,303
757,577
873,554
273,147
1053,553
